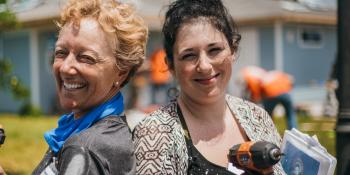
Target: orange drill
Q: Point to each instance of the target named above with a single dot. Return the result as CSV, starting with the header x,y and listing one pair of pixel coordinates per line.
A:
x,y
258,157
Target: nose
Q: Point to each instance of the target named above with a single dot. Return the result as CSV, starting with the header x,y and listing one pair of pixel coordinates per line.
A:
x,y
204,64
69,65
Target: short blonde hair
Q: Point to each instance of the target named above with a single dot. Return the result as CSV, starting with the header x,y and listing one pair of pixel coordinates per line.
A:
x,y
119,19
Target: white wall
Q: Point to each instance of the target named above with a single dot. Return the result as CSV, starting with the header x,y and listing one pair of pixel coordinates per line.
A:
x,y
248,54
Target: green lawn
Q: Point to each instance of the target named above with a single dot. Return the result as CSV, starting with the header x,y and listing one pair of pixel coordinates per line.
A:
x,y
323,128
24,146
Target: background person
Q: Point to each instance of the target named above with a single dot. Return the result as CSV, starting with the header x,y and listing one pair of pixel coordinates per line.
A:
x,y
331,103
270,88
252,76
276,86
193,134
100,45
160,77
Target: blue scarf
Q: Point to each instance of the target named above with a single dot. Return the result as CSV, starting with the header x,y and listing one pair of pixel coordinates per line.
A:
x,y
68,126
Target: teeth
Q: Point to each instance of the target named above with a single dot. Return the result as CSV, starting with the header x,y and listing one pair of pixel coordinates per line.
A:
x,y
72,86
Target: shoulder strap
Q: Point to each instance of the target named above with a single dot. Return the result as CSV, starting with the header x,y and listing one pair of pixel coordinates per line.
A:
x,y
183,124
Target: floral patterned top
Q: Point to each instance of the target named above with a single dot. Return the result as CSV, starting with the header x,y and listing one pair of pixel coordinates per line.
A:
x,y
160,141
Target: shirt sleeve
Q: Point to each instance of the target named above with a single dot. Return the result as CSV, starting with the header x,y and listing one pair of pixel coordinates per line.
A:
x,y
79,160
156,148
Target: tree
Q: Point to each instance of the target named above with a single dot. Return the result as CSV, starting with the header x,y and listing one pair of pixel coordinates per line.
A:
x,y
7,20
9,81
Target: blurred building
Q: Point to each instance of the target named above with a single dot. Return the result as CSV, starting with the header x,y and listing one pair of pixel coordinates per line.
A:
x,y
298,37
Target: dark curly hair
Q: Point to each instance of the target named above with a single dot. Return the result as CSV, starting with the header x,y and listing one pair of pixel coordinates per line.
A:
x,y
181,12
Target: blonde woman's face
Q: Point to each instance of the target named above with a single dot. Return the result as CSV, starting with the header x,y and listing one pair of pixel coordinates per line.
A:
x,y
84,67
202,61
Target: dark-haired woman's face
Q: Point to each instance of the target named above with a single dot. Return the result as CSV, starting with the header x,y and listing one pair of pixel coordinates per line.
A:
x,y
202,61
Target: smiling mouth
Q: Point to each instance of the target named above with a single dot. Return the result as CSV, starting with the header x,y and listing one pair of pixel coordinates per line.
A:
x,y
73,86
206,80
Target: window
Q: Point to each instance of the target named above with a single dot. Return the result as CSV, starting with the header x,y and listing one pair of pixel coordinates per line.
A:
x,y
310,38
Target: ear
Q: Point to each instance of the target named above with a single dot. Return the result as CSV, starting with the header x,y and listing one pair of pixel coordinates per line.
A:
x,y
122,75
229,59
233,57
171,70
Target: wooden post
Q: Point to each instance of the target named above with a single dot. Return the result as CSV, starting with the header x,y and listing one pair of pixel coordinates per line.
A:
x,y
343,66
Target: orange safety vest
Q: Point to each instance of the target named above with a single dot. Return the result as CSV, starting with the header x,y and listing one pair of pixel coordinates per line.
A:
x,y
252,76
276,83
159,69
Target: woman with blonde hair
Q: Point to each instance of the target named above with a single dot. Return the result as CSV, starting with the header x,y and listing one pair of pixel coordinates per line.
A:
x,y
101,43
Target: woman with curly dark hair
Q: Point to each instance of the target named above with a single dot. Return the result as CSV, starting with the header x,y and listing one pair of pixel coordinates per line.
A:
x,y
193,133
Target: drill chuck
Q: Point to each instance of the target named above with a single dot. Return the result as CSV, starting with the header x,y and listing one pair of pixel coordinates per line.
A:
x,y
275,154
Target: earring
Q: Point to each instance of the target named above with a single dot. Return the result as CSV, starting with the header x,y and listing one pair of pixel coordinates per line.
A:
x,y
116,83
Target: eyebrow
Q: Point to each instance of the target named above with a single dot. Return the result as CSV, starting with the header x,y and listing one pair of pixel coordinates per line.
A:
x,y
187,50
81,49
210,45
85,48
216,43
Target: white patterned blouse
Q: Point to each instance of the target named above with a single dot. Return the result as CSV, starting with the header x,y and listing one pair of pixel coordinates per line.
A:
x,y
160,142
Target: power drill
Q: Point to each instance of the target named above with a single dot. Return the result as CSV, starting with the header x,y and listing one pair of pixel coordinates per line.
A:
x,y
2,135
258,157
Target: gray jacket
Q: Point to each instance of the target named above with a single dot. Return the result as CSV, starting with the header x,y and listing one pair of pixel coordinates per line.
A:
x,y
104,148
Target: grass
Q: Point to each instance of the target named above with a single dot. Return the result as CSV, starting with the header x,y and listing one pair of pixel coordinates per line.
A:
x,y
322,127
25,146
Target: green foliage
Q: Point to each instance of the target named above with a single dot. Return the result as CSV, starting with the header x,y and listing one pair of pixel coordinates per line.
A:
x,y
19,91
2,1
5,71
8,81
28,109
8,21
